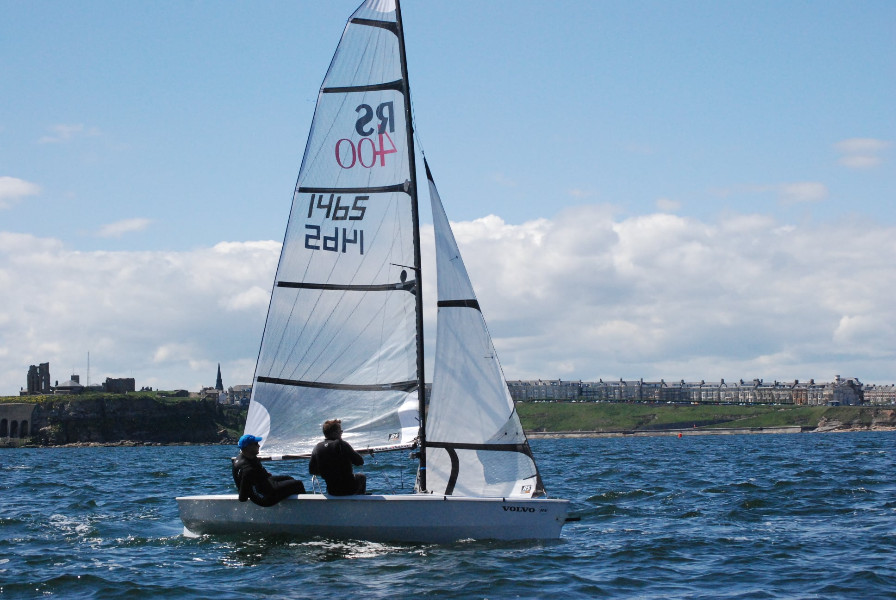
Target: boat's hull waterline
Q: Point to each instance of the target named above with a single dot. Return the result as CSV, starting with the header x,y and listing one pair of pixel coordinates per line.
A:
x,y
415,518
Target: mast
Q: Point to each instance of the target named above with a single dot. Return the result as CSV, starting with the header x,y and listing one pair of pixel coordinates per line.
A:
x,y
415,212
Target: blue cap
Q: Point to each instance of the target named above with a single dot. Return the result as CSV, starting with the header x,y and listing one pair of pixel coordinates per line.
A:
x,y
248,439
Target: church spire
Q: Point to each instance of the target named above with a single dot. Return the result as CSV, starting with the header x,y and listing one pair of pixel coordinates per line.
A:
x,y
219,385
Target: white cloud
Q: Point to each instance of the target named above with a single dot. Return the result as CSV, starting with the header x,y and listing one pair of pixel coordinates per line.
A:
x,y
119,228
583,295
788,193
502,180
159,317
580,193
667,204
851,330
861,153
860,161
252,298
662,296
66,133
13,189
803,191
861,145
169,352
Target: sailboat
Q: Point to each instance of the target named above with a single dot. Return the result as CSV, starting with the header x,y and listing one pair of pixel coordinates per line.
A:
x,y
344,334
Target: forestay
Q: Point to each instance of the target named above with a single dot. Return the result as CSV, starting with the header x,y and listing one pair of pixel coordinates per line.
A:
x,y
339,341
475,443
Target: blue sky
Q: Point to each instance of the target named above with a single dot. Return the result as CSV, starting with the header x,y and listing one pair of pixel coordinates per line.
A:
x,y
747,143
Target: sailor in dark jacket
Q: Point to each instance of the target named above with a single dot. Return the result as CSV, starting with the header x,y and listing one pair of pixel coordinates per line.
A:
x,y
253,480
333,458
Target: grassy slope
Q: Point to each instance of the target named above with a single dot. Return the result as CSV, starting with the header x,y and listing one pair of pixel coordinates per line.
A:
x,y
591,416
160,396
565,416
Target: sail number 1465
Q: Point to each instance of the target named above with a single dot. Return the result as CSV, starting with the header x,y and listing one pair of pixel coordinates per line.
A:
x,y
317,237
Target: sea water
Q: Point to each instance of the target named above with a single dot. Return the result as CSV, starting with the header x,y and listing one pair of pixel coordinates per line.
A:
x,y
740,516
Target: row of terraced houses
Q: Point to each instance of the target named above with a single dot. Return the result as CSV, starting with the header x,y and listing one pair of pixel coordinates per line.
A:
x,y
841,391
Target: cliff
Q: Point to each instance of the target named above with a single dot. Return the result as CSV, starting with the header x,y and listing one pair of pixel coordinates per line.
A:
x,y
141,418
138,418
871,419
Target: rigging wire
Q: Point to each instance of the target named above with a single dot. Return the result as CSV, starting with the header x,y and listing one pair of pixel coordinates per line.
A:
x,y
383,471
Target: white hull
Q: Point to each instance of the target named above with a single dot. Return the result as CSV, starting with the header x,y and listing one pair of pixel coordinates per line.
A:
x,y
389,518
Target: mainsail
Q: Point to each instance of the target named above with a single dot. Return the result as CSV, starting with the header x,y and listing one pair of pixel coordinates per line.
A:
x,y
340,340
343,338
475,443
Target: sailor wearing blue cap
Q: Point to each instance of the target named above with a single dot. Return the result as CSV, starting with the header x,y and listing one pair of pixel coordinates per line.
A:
x,y
254,482
248,439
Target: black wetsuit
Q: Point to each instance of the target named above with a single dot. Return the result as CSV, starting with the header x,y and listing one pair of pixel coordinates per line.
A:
x,y
333,460
256,484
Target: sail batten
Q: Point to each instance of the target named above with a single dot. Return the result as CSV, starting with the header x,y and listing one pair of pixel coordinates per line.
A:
x,y
398,187
407,286
515,447
402,385
397,86
468,303
389,25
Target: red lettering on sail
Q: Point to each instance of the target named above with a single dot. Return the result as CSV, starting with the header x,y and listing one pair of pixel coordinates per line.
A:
x,y
349,153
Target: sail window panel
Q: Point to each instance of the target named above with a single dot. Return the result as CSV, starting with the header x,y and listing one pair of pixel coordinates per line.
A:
x,y
439,469
367,54
348,238
357,140
480,473
371,419
506,472
344,337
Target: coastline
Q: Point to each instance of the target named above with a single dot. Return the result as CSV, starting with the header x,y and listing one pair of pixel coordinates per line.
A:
x,y
144,420
532,435
536,435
